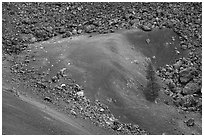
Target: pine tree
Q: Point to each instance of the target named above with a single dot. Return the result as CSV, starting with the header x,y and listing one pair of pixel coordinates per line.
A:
x,y
151,91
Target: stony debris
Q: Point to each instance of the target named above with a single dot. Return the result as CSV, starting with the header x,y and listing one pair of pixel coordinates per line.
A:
x,y
73,113
48,99
145,27
190,122
80,93
148,41
185,75
191,88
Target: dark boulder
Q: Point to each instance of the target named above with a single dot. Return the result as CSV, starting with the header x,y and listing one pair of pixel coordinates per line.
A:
x,y
190,122
48,99
191,88
186,75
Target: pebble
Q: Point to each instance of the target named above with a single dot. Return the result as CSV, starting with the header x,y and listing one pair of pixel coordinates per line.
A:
x,y
190,122
145,28
73,113
148,41
184,47
80,93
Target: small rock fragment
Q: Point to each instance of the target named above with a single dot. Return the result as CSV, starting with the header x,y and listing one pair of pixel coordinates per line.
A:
x,y
145,28
185,75
148,41
63,85
48,99
178,64
73,112
80,93
190,122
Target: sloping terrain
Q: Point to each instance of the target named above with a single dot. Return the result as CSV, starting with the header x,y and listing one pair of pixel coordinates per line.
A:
x,y
27,114
20,117
110,68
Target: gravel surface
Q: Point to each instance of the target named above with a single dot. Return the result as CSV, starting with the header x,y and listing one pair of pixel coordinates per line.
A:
x,y
25,23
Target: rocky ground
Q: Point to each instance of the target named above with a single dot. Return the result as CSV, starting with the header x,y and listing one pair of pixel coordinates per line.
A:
x,y
25,23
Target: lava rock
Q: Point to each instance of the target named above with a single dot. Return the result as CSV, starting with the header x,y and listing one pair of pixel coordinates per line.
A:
x,y
73,112
185,75
48,99
191,88
178,64
74,31
148,41
184,46
80,93
67,34
171,85
190,122
145,27
89,28
188,101
62,30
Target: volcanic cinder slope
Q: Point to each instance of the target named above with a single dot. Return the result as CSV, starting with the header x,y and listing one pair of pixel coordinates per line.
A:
x,y
112,68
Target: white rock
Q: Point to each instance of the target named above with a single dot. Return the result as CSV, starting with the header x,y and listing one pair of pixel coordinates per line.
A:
x,y
63,85
101,109
80,93
148,41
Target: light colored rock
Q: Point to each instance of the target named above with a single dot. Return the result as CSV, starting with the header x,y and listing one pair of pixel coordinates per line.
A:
x,y
80,93
148,41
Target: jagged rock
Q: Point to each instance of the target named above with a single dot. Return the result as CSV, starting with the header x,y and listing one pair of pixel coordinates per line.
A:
x,y
184,47
79,31
177,52
63,85
171,85
148,41
89,28
188,101
191,88
80,93
185,75
41,85
101,110
48,99
178,64
66,34
74,31
73,112
54,79
145,27
190,122
77,88
117,126
134,22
